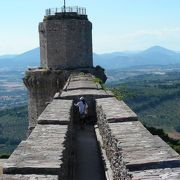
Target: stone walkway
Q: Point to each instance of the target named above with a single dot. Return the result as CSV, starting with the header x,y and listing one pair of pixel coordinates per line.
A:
x,y
88,164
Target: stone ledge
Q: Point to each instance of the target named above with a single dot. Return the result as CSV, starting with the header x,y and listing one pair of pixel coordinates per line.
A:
x,y
58,112
107,165
140,148
84,92
131,144
44,152
116,111
157,174
75,85
28,177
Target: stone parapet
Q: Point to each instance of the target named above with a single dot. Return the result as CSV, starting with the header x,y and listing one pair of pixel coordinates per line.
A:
x,y
48,149
112,148
58,112
42,153
158,174
131,147
28,177
116,111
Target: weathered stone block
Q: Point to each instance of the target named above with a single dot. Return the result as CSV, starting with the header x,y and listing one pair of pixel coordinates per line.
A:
x,y
116,111
158,174
58,112
44,152
84,92
28,177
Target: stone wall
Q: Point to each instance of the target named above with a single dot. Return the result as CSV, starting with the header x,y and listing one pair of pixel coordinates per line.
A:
x,y
132,151
42,84
48,149
66,43
112,148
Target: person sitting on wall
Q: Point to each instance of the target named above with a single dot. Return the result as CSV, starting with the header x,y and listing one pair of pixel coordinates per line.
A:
x,y
83,110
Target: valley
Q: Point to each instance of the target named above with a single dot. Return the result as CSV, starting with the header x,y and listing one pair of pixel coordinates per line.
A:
x,y
12,91
13,111
154,97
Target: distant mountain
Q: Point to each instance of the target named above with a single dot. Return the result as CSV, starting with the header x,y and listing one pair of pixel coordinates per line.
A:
x,y
21,62
158,49
155,55
7,56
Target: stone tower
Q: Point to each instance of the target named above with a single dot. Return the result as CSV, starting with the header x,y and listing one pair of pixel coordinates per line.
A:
x,y
66,39
65,46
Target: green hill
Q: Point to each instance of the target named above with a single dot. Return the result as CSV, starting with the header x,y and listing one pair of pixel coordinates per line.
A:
x,y
155,98
13,126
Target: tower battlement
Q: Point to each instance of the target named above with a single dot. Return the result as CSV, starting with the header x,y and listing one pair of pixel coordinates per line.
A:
x,y
66,13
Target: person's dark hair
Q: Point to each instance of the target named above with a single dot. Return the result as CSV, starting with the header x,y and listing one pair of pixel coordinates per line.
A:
x,y
83,100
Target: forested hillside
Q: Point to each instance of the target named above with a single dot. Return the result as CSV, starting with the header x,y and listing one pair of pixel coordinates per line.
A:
x,y
13,110
155,98
13,127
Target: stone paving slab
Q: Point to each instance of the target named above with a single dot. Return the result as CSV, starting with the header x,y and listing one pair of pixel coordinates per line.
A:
x,y
80,81
84,92
28,177
41,153
85,77
130,127
82,84
116,111
144,142
157,174
140,148
58,112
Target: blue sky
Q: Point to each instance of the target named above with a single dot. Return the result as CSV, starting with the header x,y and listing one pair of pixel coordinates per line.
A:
x,y
118,25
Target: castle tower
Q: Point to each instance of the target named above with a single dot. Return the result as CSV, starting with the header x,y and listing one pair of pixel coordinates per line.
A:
x,y
65,46
66,39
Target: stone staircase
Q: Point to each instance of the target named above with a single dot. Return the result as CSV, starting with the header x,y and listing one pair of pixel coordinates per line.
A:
x,y
117,147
